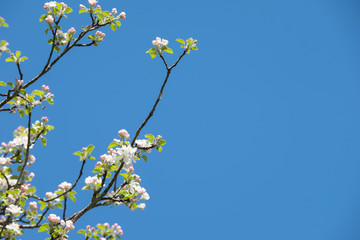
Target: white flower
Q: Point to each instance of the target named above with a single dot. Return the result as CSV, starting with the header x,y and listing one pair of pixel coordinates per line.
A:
x,y
14,227
4,183
65,186
145,196
141,206
52,218
160,42
142,143
69,225
127,154
21,140
93,182
4,161
14,210
92,2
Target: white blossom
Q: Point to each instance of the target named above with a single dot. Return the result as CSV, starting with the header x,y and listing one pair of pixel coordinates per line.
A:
x,y
14,227
127,154
14,210
142,143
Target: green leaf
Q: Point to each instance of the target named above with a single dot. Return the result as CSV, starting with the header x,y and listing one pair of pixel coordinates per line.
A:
x,y
46,31
78,153
10,59
42,205
42,17
37,92
118,23
2,83
68,10
73,198
44,227
21,112
150,136
17,54
159,149
23,59
113,27
101,226
59,205
194,48
89,149
50,41
82,231
180,41
153,55
57,48
108,175
162,142
144,157
44,141
113,144
168,50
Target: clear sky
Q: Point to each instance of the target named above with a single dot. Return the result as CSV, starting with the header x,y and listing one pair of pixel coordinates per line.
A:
x,y
262,123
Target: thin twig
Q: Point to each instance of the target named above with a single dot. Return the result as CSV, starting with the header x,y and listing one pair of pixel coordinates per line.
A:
x,y
151,113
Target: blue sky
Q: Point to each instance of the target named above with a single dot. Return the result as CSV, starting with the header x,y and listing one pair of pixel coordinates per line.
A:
x,y
262,123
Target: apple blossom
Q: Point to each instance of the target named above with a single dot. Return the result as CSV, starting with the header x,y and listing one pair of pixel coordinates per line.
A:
x,y
142,143
124,134
92,2
141,206
52,218
14,210
33,205
14,227
69,225
49,19
72,30
64,186
122,15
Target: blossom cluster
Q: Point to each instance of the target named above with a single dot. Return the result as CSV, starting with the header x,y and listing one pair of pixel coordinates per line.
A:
x,y
103,231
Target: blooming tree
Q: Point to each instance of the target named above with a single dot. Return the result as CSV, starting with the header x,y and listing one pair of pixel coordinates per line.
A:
x,y
112,181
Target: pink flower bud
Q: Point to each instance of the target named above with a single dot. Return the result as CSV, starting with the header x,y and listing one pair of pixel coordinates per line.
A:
x,y
45,88
49,19
69,225
131,169
81,6
64,5
72,30
44,119
52,218
98,7
154,42
123,134
114,11
92,2
84,149
33,205
122,15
